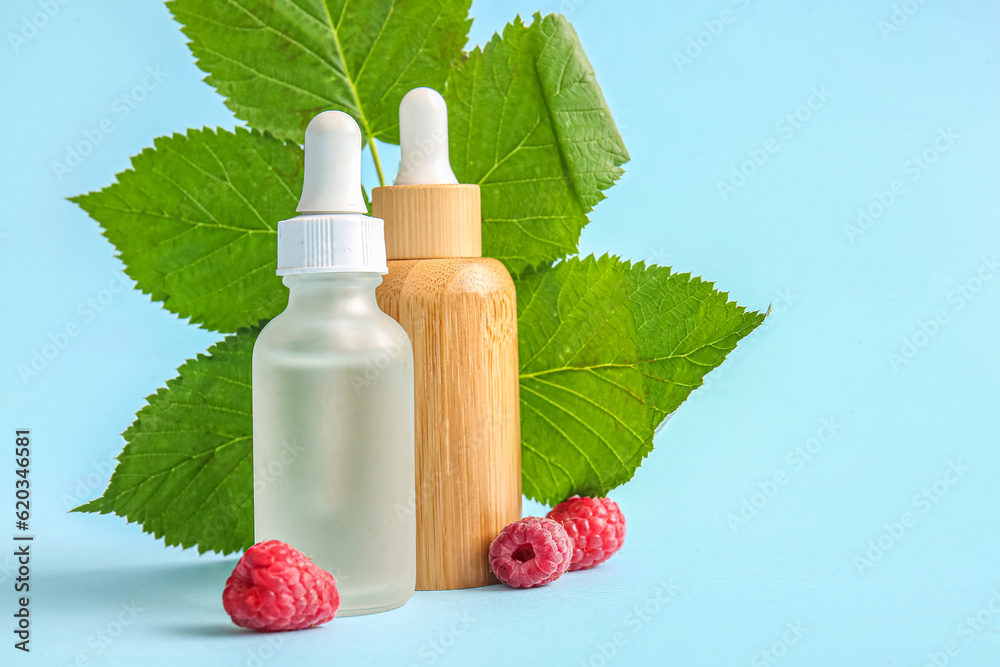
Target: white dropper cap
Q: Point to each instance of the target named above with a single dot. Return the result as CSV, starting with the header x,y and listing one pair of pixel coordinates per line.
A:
x,y
423,139
332,181
333,234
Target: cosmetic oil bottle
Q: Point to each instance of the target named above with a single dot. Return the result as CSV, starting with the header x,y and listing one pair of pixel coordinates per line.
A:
x,y
333,402
460,312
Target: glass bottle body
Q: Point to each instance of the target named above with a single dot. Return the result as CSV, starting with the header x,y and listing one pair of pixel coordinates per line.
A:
x,y
333,438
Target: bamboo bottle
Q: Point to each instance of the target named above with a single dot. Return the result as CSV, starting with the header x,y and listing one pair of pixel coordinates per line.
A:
x,y
460,312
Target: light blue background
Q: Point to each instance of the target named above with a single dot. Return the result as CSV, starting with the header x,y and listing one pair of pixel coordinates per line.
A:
x,y
840,309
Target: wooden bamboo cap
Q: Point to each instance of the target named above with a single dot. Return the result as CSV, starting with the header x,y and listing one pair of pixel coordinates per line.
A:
x,y
430,221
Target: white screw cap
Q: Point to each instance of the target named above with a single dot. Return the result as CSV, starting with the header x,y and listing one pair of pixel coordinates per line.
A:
x,y
332,180
423,139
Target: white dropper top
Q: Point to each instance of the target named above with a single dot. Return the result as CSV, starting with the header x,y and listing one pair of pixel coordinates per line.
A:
x,y
423,139
332,180
332,234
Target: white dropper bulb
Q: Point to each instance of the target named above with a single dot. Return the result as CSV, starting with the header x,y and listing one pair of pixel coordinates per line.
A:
x,y
423,139
332,180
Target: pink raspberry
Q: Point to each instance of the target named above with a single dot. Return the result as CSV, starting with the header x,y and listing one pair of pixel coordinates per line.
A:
x,y
275,587
596,526
531,552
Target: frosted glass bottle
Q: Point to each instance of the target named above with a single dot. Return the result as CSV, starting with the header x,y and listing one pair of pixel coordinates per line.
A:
x,y
333,438
333,402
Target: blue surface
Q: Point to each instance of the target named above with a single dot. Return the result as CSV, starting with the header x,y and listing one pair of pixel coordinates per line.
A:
x,y
692,586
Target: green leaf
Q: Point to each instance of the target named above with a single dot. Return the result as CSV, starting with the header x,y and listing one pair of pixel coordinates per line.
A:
x,y
186,473
608,349
529,124
195,220
280,62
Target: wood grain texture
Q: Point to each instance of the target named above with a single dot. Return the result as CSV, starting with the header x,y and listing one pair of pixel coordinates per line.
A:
x,y
461,316
430,221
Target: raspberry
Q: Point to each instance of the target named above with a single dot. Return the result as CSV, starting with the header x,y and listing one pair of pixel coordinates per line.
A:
x,y
275,587
530,552
596,526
